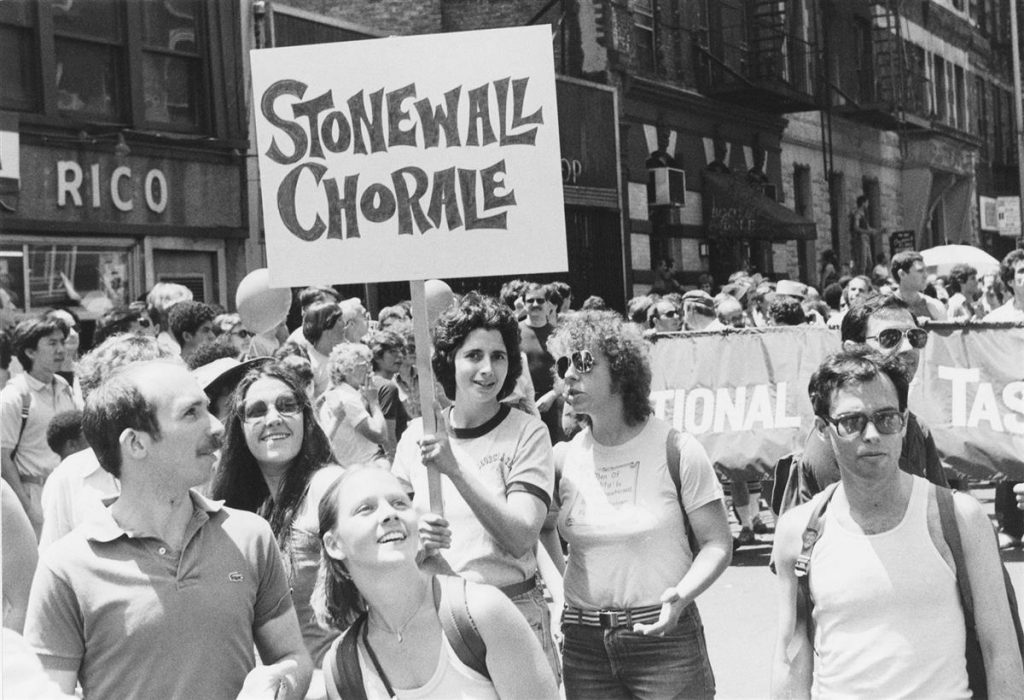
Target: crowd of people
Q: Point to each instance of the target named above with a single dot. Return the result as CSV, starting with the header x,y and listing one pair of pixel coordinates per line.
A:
x,y
193,509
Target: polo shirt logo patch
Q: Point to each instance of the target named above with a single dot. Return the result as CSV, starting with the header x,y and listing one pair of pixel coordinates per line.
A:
x,y
235,576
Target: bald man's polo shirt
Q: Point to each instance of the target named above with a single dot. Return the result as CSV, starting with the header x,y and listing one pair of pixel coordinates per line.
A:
x,y
138,620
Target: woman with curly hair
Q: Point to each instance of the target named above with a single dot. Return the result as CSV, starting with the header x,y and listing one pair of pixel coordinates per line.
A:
x,y
277,462
630,625
371,586
496,460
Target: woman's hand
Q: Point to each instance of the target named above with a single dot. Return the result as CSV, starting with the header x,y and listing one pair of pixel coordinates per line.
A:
x,y
435,533
672,605
436,451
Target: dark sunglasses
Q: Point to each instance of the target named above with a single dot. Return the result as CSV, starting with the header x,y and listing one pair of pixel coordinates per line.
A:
x,y
581,360
671,313
241,333
540,301
887,422
893,337
285,405
143,322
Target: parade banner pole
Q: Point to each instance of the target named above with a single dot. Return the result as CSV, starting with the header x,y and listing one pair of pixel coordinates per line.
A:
x,y
425,378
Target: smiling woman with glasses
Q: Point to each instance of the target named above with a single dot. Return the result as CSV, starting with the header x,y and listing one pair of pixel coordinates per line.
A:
x,y
630,624
277,462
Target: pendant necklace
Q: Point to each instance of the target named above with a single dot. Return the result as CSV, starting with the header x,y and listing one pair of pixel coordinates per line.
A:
x,y
400,631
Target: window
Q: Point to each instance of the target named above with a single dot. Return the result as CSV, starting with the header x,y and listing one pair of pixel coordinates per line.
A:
x,y
137,63
643,34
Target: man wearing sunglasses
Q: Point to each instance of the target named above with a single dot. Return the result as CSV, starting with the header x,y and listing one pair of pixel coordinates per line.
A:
x,y
665,316
883,596
882,323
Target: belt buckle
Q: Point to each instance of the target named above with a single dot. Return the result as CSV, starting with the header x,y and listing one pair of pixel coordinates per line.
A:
x,y
608,619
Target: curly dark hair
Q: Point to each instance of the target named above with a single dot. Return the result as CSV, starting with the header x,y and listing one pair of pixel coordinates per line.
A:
x,y
849,367
472,312
238,481
607,335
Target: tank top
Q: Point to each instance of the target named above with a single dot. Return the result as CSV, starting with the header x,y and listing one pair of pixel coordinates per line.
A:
x,y
888,621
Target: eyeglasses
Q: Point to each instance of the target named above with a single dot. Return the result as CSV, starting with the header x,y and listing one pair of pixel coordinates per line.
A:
x,y
286,405
893,337
241,333
582,361
888,421
539,301
143,322
671,313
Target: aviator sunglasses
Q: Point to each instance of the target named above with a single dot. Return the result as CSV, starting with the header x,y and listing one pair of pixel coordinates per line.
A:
x,y
888,421
892,337
581,360
285,405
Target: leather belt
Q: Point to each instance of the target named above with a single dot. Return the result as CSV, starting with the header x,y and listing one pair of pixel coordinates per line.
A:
x,y
516,589
611,619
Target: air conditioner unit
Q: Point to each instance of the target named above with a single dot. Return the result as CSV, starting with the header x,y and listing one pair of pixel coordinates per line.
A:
x,y
989,210
666,186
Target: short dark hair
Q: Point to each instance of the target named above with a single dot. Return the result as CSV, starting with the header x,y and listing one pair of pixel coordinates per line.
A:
x,y
842,369
319,317
29,332
1006,266
63,428
316,293
212,350
594,303
111,408
381,341
785,310
959,275
472,312
855,323
510,291
114,322
562,288
187,316
903,261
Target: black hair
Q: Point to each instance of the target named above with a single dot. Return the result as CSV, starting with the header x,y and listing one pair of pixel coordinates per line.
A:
x,y
320,316
28,333
855,323
842,369
63,428
187,316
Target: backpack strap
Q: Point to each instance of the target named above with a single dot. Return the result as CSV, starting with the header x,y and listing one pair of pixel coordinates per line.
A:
x,y
457,623
802,567
345,671
674,461
26,403
951,533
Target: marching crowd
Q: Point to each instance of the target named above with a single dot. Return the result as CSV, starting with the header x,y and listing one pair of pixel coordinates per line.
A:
x,y
195,510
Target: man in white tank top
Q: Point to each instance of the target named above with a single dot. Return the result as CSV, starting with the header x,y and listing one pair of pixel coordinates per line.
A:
x,y
887,616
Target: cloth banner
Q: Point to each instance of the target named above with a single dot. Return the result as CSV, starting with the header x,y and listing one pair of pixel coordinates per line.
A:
x,y
743,394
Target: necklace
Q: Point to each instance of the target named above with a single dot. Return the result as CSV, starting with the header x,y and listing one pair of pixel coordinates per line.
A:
x,y
399,632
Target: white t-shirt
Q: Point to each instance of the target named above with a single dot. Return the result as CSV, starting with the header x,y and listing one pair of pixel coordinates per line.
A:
x,y
350,447
621,517
1006,312
511,452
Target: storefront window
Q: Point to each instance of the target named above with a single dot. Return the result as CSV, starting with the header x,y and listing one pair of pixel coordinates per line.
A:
x,y
91,279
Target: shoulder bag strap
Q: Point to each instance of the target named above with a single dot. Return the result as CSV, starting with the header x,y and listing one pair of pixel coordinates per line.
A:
x,y
347,676
802,567
951,533
26,403
458,625
674,459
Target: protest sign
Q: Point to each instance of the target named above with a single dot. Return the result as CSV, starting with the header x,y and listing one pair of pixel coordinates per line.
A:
x,y
413,157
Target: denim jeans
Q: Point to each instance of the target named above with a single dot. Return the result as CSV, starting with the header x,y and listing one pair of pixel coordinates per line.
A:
x,y
535,609
620,663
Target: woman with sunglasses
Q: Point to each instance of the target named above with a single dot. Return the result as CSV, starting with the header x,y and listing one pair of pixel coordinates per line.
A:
x,y
496,461
630,624
371,585
277,462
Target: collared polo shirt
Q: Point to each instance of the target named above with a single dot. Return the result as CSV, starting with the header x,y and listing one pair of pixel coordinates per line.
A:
x,y
137,619
33,457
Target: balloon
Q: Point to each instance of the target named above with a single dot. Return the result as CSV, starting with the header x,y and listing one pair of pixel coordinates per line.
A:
x,y
439,297
261,307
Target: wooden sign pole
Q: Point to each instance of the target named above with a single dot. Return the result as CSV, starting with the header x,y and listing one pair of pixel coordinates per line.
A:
x,y
421,331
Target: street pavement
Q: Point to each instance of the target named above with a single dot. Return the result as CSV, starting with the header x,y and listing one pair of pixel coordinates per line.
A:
x,y
740,609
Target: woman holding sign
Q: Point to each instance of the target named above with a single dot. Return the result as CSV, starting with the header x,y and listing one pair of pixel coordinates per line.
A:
x,y
496,460
642,511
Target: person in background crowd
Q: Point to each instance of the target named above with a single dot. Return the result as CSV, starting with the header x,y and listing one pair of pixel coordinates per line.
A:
x,y
150,429
991,294
388,348
706,283
492,516
191,324
881,323
407,377
71,343
728,312
862,235
393,315
355,319
79,489
230,326
6,353
856,287
637,309
594,303
219,377
829,273
963,283
64,435
350,411
1011,522
511,295
159,301
277,463
664,277
785,310
121,320
631,626
698,310
564,292
216,349
19,563
665,316
909,273
25,457
323,329
372,587
152,328
833,296
887,616
306,298
540,301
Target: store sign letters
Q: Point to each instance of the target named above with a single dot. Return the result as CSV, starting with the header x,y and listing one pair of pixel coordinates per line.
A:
x,y
410,157
120,186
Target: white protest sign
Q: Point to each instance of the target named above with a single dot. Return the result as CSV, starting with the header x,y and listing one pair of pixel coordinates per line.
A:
x,y
407,158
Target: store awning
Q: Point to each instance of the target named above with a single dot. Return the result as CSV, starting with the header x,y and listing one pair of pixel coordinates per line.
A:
x,y
734,209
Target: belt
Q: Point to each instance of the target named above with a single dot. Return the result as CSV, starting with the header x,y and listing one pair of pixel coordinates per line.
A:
x,y
515,589
29,479
611,619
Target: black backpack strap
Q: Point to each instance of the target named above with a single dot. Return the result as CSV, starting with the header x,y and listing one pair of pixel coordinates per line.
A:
x,y
347,676
26,403
674,460
802,567
457,623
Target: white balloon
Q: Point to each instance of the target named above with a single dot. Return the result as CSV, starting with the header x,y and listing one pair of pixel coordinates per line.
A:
x,y
261,307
